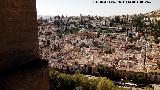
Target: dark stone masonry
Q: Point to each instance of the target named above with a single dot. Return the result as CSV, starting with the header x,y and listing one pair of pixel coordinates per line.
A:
x,y
30,76
20,68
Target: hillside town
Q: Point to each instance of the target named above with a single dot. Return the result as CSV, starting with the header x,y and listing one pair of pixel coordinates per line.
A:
x,y
127,43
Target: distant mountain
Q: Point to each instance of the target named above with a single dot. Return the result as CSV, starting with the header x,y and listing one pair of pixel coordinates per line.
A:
x,y
155,13
44,17
157,10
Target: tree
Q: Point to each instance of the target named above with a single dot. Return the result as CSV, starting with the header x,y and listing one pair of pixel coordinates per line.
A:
x,y
117,19
103,70
54,82
156,33
138,22
105,84
59,81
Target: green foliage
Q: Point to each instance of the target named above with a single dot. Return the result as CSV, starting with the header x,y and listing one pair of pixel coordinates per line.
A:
x,y
133,39
78,81
156,40
132,47
107,49
105,84
59,81
139,22
107,72
148,88
103,70
156,32
136,77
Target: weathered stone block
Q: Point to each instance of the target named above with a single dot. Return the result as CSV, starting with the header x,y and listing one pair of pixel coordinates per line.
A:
x,y
18,32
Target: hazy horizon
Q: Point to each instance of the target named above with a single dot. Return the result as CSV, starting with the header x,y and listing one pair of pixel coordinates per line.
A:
x,y
87,7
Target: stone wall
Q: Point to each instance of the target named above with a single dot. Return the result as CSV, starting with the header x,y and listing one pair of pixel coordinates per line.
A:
x,y
18,32
20,67
31,76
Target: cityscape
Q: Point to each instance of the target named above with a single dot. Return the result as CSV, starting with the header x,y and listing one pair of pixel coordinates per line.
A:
x,y
79,45
127,45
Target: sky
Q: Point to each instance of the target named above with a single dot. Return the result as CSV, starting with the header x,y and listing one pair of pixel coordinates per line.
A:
x,y
88,7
